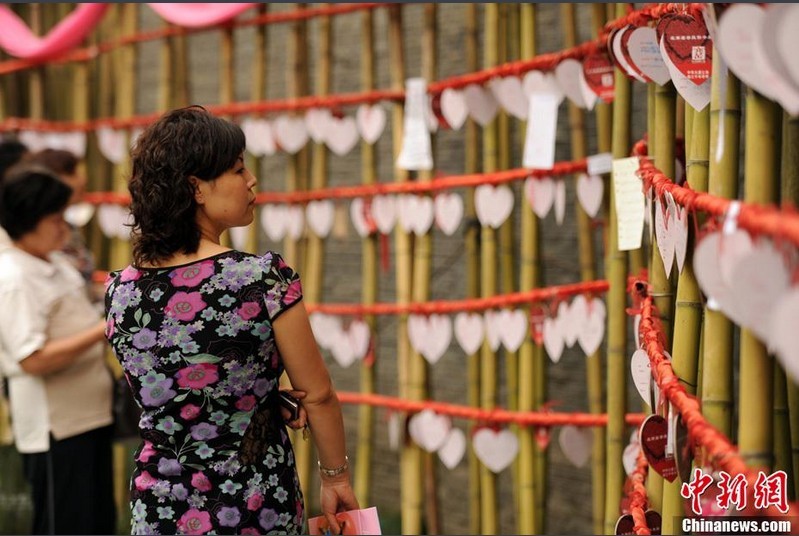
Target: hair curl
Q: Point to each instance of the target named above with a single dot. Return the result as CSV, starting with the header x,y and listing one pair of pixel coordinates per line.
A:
x,y
183,143
27,196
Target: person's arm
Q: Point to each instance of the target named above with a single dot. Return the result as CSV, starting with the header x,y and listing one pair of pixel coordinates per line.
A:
x,y
60,353
307,372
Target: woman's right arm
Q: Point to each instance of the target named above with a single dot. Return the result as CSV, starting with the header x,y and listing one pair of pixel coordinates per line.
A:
x,y
307,372
58,354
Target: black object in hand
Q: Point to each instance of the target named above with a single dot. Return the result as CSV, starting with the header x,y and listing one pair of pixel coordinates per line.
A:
x,y
291,404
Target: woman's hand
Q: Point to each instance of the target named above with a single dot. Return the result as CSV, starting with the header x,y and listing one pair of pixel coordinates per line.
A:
x,y
336,495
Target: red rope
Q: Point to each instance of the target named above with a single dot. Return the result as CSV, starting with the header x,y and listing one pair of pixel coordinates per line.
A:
x,y
720,451
758,219
496,415
369,190
638,498
542,62
89,53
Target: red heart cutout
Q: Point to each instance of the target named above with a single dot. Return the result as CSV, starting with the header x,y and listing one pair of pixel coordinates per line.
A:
x,y
625,525
654,521
688,45
598,71
654,435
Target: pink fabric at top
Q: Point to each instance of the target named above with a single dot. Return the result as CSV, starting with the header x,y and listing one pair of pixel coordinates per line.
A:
x,y
198,15
18,40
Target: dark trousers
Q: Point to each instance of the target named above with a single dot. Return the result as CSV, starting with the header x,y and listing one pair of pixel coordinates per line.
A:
x,y
72,485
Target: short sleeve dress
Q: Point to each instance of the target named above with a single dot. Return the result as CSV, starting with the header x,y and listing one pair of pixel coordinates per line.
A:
x,y
196,345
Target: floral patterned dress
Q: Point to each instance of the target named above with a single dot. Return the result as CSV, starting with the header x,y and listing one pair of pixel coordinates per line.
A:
x,y
197,347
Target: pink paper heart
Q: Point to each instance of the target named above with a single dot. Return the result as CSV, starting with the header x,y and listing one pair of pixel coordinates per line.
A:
x,y
371,122
589,192
496,450
448,212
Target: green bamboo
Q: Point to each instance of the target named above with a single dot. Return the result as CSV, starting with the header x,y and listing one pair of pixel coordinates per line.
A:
x,y
783,457
529,278
181,94
688,308
761,185
257,92
36,74
725,109
166,76
365,453
472,249
617,319
488,280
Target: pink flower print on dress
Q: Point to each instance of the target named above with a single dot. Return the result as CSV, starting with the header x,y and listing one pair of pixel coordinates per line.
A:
x,y
293,292
245,403
110,328
144,481
189,411
191,276
197,376
200,481
194,522
249,310
129,274
146,453
255,501
184,306
249,530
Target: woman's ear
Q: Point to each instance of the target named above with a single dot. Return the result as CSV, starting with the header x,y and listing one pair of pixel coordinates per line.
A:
x,y
198,192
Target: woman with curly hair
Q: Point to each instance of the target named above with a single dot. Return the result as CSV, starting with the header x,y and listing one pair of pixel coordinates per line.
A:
x,y
203,334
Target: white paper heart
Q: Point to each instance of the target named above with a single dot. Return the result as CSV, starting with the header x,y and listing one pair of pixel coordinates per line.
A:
x,y
469,329
416,213
430,335
538,82
429,430
274,221
79,214
358,217
360,336
665,239
296,222
553,339
714,258
326,329
512,328
493,204
239,236
492,329
640,368
453,449
782,334
645,54
453,108
618,54
112,143
448,208
482,105
509,93
290,133
496,450
679,227
787,39
593,330
33,140
575,443
569,74
540,194
698,96
384,212
761,279
114,221
317,123
560,200
320,215
342,135
589,192
630,457
371,122
568,325
258,133
342,350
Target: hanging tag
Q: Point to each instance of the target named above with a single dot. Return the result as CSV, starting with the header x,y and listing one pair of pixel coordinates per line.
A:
x,y
672,431
416,153
599,164
731,218
539,143
629,201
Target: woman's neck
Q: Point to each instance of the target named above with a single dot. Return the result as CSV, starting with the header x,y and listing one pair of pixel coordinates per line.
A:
x,y
206,248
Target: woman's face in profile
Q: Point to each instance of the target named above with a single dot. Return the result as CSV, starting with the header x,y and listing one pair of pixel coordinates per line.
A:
x,y
49,235
229,200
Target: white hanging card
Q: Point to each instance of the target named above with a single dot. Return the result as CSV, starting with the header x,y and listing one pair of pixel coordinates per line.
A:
x,y
539,143
416,150
629,201
599,164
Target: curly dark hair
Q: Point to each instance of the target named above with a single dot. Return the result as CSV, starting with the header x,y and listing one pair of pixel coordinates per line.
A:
x,y
183,143
27,196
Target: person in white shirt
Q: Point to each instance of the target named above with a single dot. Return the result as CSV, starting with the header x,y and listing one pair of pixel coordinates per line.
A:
x,y
60,387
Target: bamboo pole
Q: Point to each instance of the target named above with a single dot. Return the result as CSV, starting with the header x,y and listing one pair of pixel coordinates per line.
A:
x,y
488,278
761,185
790,197
688,309
725,123
472,248
166,75
363,467
586,256
36,74
617,321
410,455
783,457
422,274
181,94
257,92
529,353
296,179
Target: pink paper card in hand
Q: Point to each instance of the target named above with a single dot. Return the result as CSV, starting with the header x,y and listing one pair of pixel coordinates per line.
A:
x,y
363,521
